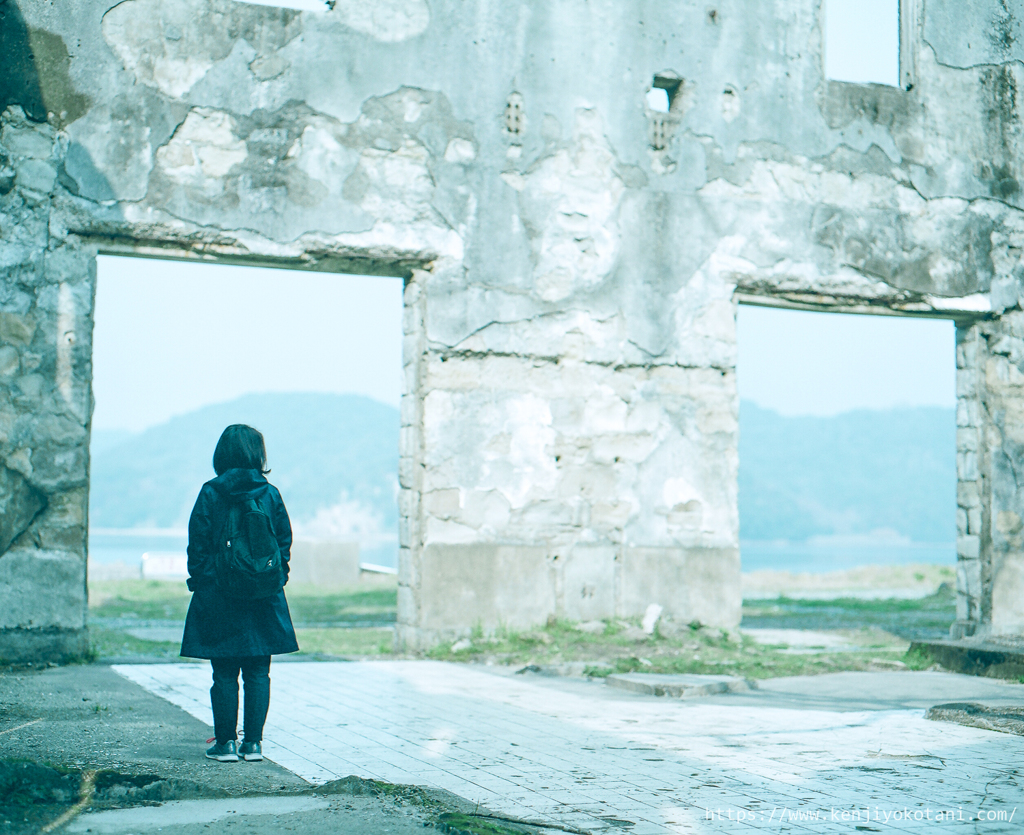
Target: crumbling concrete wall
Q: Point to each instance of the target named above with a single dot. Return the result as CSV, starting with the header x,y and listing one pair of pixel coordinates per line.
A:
x,y
990,458
572,257
45,371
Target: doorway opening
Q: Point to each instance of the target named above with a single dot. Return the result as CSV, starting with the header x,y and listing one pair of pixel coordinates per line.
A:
x,y
847,473
313,360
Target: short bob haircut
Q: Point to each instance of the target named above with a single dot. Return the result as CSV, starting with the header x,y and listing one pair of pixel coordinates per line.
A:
x,y
240,448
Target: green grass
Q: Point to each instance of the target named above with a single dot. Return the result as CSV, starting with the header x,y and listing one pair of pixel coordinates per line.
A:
x,y
917,659
346,642
911,619
143,599
358,642
697,650
459,823
372,603
112,643
165,600
880,628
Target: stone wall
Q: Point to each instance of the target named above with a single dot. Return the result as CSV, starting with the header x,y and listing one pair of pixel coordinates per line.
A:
x,y
990,456
572,259
46,299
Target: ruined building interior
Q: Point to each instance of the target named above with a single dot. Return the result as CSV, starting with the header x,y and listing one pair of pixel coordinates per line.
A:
x,y
573,259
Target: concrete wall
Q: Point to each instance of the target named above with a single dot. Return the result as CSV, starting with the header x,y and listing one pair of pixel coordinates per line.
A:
x,y
572,258
45,354
990,455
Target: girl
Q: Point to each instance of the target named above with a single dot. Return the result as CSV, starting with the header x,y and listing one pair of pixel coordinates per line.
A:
x,y
236,633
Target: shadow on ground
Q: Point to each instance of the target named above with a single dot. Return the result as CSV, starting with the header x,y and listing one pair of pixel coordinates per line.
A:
x,y
81,748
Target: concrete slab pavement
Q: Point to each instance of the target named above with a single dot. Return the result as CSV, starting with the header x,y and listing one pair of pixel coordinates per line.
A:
x,y
840,753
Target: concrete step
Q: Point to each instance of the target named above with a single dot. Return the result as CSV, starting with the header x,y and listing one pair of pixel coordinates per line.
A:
x,y
679,686
1002,718
975,656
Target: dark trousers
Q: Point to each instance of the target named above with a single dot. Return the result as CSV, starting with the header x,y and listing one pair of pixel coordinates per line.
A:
x,y
224,697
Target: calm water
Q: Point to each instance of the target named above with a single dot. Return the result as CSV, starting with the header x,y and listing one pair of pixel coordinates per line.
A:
x,y
128,546
819,558
108,545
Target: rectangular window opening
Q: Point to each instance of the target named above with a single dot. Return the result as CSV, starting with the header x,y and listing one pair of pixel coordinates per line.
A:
x,y
869,41
847,466
314,361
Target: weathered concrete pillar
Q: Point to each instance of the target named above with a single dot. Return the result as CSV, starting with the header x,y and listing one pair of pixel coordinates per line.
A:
x,y
990,477
410,465
556,487
569,442
46,299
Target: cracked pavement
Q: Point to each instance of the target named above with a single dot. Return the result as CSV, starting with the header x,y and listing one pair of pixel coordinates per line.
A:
x,y
574,754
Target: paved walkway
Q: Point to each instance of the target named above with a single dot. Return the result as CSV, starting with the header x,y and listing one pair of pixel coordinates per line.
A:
x,y
842,753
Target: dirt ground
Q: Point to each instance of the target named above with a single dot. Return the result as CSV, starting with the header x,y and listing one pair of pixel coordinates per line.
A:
x,y
61,725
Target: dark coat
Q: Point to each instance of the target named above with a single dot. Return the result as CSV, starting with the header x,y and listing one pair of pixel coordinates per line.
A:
x,y
222,627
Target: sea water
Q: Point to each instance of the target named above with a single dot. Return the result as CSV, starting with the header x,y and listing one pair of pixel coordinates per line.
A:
x,y
125,546
836,554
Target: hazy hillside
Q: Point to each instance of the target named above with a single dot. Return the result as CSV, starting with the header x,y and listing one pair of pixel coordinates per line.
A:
x,y
335,459
850,474
336,454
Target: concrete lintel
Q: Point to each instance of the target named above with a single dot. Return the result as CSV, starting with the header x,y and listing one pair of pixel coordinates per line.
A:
x,y
917,308
351,263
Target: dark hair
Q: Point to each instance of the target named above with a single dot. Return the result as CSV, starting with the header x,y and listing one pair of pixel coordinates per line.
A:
x,y
240,448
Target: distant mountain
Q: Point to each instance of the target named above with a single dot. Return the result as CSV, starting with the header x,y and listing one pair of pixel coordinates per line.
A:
x,y
334,457
104,439
854,473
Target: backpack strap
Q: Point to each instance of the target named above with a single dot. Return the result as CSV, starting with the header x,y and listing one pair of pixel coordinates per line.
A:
x,y
253,506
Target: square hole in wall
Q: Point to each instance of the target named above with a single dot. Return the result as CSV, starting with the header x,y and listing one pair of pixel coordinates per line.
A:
x,y
662,97
861,41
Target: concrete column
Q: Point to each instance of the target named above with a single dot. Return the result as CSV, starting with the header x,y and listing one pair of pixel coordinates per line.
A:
x,y
410,466
558,489
990,457
46,302
542,476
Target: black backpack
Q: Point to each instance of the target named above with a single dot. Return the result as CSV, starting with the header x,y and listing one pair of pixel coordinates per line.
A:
x,y
248,559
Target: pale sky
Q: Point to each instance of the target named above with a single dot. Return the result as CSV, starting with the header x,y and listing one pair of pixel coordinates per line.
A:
x,y
862,41
173,336
800,363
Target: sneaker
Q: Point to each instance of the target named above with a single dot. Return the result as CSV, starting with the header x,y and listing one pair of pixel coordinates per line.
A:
x,y
251,751
225,753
